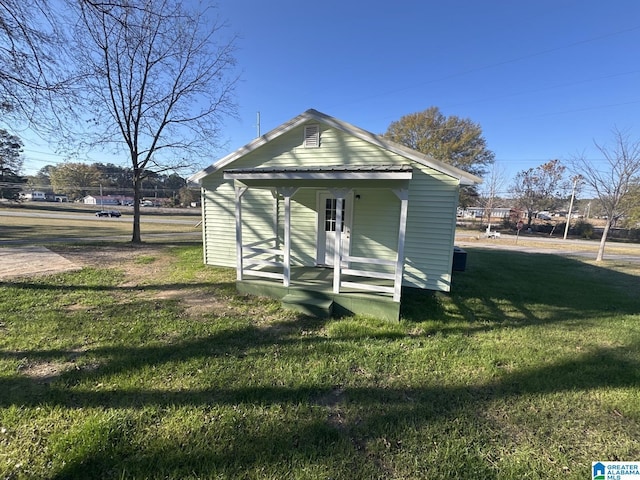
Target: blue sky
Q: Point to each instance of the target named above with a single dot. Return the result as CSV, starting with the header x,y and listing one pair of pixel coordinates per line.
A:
x,y
542,78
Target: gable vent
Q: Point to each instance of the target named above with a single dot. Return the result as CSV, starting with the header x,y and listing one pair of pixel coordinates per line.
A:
x,y
311,136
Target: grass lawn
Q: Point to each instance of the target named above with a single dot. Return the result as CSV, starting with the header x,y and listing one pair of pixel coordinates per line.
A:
x,y
151,366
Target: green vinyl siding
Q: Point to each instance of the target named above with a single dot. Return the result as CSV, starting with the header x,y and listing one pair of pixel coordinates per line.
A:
x,y
303,227
218,223
374,234
433,198
336,148
257,218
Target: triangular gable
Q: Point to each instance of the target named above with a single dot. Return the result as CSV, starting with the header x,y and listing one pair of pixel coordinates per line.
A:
x,y
465,178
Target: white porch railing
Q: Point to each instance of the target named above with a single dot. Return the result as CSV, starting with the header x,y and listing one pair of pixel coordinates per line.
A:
x,y
368,274
251,263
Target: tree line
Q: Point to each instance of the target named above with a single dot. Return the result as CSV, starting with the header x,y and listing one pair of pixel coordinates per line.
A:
x,y
76,180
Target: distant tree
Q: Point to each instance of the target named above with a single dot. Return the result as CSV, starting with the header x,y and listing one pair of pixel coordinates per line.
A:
x,y
76,180
10,166
115,177
41,180
540,188
188,195
633,206
10,184
158,80
613,180
10,152
454,140
174,182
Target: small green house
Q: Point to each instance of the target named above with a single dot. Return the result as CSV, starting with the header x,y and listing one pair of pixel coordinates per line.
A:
x,y
331,218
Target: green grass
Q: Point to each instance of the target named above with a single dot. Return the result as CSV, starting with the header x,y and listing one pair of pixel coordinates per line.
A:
x,y
530,369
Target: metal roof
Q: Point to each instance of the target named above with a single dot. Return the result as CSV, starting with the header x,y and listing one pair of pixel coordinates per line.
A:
x,y
324,168
323,172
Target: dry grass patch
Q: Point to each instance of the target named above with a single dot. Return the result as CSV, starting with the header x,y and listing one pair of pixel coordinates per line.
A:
x,y
145,269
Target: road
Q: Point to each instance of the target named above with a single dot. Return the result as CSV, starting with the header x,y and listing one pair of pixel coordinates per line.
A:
x,y
91,216
586,249
196,234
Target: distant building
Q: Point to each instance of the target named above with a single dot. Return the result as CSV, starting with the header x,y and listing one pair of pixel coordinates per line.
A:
x,y
481,212
157,202
107,200
36,196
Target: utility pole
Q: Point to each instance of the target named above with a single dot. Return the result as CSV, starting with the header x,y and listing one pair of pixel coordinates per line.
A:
x,y
258,122
573,194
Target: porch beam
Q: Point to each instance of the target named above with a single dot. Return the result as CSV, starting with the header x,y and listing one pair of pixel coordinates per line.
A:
x,y
403,195
240,190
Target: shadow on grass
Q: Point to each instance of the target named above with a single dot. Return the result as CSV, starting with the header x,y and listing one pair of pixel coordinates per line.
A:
x,y
499,291
67,287
503,288
365,413
603,368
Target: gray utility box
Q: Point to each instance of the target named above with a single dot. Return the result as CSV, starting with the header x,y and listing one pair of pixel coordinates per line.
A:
x,y
459,259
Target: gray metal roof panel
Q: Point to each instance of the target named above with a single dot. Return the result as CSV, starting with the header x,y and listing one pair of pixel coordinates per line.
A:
x,y
324,168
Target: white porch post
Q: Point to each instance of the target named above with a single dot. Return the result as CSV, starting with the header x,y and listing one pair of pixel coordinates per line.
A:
x,y
339,194
239,192
276,203
287,193
403,195
337,254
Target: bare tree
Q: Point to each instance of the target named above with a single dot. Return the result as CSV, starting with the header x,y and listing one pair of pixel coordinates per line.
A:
x,y
613,179
159,79
489,192
540,188
35,77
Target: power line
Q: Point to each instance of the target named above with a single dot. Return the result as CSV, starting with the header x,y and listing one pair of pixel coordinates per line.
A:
x,y
542,89
577,110
492,65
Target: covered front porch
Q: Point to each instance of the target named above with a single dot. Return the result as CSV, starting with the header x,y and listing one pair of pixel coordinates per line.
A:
x,y
310,291
333,281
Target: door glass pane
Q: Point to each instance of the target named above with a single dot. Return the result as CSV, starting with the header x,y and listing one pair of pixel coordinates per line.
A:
x,y
330,214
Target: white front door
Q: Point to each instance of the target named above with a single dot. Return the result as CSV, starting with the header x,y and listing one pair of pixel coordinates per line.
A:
x,y
327,215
